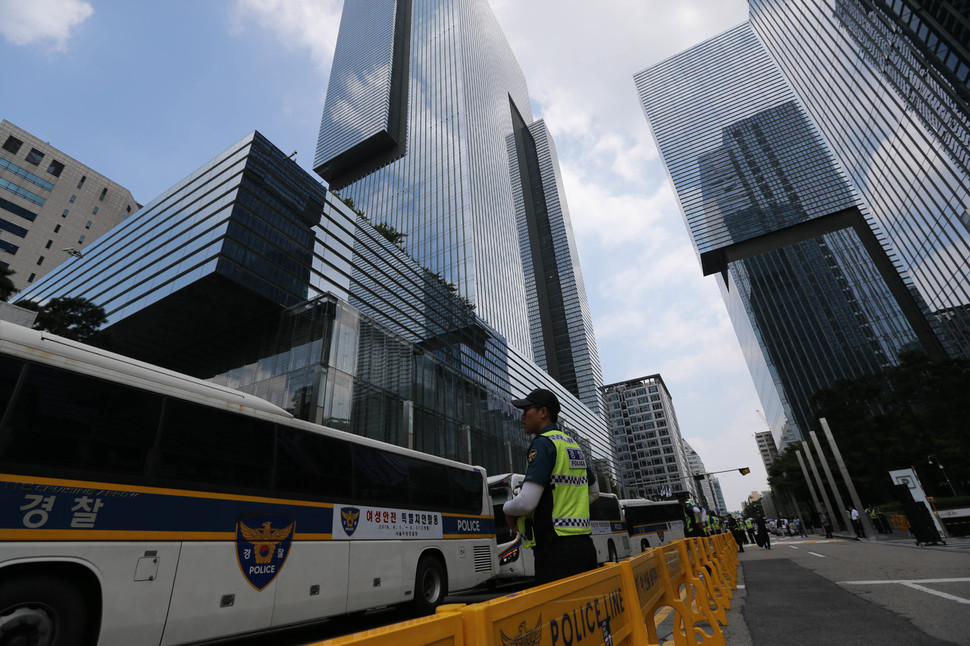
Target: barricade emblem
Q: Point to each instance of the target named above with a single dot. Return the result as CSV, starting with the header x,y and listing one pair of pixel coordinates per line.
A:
x,y
349,518
262,545
525,637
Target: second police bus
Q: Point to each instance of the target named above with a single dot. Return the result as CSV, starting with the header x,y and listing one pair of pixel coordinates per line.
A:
x,y
515,562
140,506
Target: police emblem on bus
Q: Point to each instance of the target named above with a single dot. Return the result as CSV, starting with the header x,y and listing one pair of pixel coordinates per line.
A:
x,y
349,517
525,637
262,545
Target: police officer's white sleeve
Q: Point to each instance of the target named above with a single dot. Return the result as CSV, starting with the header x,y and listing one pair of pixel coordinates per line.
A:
x,y
594,490
526,502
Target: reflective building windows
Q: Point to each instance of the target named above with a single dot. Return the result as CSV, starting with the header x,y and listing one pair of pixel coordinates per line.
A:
x,y
879,80
812,295
449,174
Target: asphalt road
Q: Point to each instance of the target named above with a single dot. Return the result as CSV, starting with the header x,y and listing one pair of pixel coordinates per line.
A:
x,y
813,591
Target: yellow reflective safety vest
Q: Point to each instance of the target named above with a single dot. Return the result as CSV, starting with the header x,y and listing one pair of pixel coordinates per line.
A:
x,y
570,491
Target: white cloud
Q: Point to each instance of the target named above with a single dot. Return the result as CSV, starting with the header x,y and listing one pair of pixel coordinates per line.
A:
x,y
304,24
25,23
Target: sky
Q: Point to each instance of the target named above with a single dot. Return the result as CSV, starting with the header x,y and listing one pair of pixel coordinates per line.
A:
x,y
147,92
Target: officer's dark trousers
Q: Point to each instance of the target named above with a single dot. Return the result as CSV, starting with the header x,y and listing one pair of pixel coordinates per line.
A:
x,y
565,556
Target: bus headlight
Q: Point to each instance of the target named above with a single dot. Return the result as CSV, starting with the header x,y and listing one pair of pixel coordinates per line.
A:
x,y
510,556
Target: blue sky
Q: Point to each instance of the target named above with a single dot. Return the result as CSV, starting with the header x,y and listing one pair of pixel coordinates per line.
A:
x,y
146,92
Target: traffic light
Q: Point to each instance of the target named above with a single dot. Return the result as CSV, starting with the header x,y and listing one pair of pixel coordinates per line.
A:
x,y
744,471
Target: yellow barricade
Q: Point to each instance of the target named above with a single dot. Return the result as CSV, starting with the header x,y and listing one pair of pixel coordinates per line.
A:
x,y
441,629
689,597
597,607
618,604
709,571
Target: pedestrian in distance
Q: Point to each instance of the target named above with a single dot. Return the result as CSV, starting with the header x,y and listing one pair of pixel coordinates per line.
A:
x,y
856,522
736,532
750,528
551,511
826,524
761,531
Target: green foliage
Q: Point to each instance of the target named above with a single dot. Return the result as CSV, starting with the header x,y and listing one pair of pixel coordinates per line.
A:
x,y
349,202
750,509
6,285
449,286
391,234
74,318
899,418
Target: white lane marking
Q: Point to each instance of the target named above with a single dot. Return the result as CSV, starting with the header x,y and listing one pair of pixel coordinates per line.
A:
x,y
937,593
793,547
904,581
915,585
821,556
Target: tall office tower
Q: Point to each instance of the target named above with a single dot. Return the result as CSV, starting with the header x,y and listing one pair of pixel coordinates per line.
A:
x,y
651,454
427,128
52,207
766,447
887,84
708,494
812,294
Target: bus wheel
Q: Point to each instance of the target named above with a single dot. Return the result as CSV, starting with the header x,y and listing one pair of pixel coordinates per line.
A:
x,y
611,552
41,611
430,585
644,545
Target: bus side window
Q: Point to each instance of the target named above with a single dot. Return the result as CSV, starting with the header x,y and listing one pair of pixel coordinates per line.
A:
x,y
429,485
208,446
466,491
381,476
308,463
68,422
9,374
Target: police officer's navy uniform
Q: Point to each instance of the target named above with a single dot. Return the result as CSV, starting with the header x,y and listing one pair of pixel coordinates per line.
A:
x,y
559,528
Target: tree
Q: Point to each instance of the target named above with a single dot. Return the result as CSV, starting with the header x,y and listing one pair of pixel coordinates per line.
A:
x,y
73,317
900,417
6,285
752,508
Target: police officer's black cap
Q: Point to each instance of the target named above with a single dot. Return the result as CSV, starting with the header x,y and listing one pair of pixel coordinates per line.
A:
x,y
541,398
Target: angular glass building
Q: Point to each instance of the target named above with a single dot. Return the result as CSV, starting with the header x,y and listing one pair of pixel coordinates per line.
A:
x,y
427,128
249,273
888,85
812,293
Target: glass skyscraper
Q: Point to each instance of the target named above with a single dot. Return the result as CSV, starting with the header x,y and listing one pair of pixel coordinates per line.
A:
x,y
427,128
249,273
888,84
813,296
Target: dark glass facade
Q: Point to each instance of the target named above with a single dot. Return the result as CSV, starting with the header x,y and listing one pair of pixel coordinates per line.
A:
x,y
428,128
812,295
249,273
886,84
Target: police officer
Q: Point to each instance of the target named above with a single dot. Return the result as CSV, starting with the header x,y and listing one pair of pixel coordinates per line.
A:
x,y
692,519
551,511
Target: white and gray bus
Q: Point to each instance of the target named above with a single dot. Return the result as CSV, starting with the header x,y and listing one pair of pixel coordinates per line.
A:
x,y
141,506
652,523
608,530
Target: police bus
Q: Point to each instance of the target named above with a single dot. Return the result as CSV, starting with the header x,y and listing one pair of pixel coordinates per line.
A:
x,y
140,506
652,523
608,530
